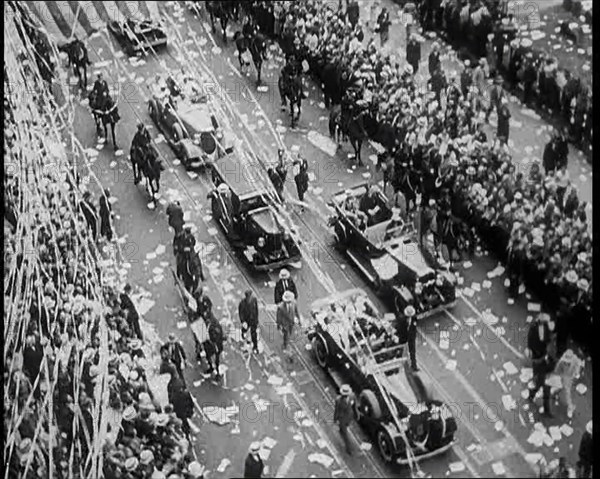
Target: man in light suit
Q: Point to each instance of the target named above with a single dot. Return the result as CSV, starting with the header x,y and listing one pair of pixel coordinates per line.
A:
x,y
287,314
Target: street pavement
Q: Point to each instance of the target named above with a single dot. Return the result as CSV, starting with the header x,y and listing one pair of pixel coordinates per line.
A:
x,y
291,402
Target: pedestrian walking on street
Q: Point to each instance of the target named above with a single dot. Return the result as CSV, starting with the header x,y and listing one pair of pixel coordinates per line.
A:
x,y
503,121
434,61
586,453
254,466
203,303
248,311
175,215
105,216
344,414
133,318
413,53
383,26
410,318
176,353
538,342
183,406
215,346
568,368
301,178
466,78
353,12
287,314
285,283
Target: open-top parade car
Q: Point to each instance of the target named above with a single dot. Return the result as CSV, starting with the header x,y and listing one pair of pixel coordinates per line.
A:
x,y
241,207
360,347
138,36
386,250
183,114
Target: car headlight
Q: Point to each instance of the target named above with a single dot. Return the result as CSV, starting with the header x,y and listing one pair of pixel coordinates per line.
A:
x,y
261,242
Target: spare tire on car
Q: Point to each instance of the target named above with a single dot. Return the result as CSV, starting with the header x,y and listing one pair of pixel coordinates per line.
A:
x,y
368,404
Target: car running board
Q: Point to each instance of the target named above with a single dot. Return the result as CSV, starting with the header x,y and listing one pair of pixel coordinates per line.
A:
x,y
370,276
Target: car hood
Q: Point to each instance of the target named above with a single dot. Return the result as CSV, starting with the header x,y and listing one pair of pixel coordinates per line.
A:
x,y
266,221
196,117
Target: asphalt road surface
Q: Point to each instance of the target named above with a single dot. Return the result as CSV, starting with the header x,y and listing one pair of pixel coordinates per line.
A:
x,y
291,402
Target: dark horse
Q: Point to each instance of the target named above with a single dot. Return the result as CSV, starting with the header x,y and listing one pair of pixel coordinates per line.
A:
x,y
225,10
257,46
151,167
105,113
351,127
290,88
77,56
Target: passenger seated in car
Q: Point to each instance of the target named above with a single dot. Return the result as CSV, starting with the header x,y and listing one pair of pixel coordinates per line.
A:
x,y
357,217
369,204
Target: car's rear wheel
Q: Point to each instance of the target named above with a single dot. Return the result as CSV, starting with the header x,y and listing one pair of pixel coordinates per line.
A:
x,y
177,132
385,445
422,387
320,350
369,404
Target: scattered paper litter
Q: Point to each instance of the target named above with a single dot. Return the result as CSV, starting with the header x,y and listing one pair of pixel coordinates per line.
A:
x,y
467,264
224,464
307,423
534,457
268,442
275,380
510,368
476,287
534,307
468,292
263,89
498,468
321,458
581,388
451,365
566,430
216,50
181,325
536,438
470,321
508,402
555,433
366,446
457,466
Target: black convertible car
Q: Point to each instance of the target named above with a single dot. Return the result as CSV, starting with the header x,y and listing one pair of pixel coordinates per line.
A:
x,y
358,346
387,251
138,36
251,224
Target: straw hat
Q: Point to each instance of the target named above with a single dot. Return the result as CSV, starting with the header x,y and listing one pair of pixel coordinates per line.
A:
x,y
158,475
571,276
195,469
162,420
409,311
288,296
129,413
146,457
255,446
223,188
284,274
131,464
583,284
345,390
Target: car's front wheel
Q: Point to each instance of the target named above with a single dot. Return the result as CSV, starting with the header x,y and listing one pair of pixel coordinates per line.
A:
x,y
385,445
320,350
177,132
340,234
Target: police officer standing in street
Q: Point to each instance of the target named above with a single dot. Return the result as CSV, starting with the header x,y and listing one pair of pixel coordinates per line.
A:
x,y
407,328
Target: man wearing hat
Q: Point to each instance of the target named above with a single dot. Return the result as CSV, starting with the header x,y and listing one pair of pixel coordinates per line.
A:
x,y
203,303
254,466
214,346
344,413
287,313
586,452
105,215
538,342
285,283
176,353
408,329
434,61
248,311
496,96
133,318
413,53
503,128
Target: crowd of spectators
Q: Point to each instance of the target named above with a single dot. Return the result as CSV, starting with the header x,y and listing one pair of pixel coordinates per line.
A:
x,y
439,151
491,30
77,398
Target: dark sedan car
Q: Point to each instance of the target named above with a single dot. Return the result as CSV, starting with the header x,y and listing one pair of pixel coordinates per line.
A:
x,y
138,36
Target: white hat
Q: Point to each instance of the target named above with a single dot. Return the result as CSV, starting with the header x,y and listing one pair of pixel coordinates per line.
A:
x,y
129,413
158,475
583,284
284,274
146,457
162,420
288,296
571,276
223,188
255,446
345,390
409,311
131,464
195,469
